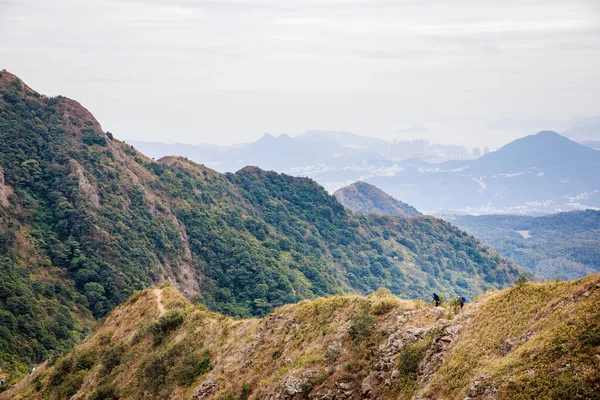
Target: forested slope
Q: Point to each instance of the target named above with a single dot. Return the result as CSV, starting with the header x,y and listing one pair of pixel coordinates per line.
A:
x,y
563,245
87,220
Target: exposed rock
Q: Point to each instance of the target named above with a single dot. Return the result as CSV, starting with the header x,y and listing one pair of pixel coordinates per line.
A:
x,y
506,346
90,192
5,190
204,391
369,385
298,385
481,389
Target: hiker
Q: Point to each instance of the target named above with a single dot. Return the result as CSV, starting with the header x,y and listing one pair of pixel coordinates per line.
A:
x,y
2,382
460,300
436,298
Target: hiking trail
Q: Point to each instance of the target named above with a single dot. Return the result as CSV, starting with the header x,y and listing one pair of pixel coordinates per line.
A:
x,y
158,294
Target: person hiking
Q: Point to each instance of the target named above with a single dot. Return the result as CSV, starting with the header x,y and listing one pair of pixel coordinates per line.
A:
x,y
436,298
460,300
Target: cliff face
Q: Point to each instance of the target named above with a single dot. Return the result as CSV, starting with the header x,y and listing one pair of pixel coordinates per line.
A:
x,y
528,341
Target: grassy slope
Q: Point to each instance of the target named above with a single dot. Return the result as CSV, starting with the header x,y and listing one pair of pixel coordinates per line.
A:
x,y
334,345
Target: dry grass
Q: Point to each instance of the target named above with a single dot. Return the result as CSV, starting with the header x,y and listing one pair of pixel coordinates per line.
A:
x,y
333,340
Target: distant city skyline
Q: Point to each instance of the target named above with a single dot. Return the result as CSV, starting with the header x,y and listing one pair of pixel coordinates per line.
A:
x,y
455,72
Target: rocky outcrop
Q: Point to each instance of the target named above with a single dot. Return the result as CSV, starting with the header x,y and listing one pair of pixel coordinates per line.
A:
x,y
5,190
205,391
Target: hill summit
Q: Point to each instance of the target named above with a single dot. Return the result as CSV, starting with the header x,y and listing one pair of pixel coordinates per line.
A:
x,y
363,198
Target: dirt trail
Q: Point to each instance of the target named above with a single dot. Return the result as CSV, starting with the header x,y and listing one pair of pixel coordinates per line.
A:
x,y
158,294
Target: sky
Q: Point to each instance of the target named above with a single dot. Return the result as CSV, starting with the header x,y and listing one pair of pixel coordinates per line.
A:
x,y
466,72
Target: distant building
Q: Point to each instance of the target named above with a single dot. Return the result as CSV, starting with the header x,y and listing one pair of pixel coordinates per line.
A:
x,y
476,152
486,150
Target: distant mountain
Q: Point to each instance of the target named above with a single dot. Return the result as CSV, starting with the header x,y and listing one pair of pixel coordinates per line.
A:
x,y
346,139
363,198
541,173
542,151
564,245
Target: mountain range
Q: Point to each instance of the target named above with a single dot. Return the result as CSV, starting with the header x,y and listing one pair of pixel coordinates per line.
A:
x,y
87,220
538,174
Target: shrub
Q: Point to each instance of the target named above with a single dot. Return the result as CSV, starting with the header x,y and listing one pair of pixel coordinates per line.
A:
x,y
112,358
90,137
165,324
62,368
190,367
85,361
384,305
360,326
153,373
246,390
106,391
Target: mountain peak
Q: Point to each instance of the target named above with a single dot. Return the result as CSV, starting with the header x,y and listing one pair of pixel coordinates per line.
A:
x,y
364,198
541,150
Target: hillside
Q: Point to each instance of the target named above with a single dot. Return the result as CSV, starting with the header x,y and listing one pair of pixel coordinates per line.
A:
x,y
531,341
563,245
362,198
87,220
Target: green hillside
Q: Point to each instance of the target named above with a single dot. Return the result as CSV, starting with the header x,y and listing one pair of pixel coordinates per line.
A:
x,y
87,220
564,245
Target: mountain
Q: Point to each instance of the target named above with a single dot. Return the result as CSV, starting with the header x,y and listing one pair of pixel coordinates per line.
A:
x,y
538,174
544,150
362,198
557,246
86,220
542,173
534,341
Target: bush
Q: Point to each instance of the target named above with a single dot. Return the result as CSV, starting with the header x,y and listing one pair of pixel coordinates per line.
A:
x,y
384,305
165,324
112,358
106,391
85,362
190,367
360,326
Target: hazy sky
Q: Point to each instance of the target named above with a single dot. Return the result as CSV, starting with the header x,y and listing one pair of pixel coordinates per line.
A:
x,y
226,71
